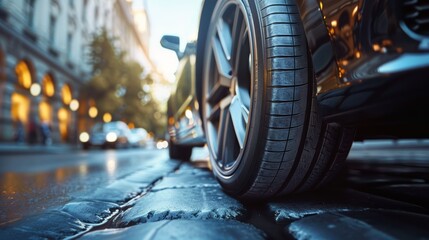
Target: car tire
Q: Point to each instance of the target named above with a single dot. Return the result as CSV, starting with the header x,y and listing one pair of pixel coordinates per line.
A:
x,y
179,152
265,135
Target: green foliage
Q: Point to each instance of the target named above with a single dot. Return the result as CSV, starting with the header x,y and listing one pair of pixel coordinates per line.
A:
x,y
117,86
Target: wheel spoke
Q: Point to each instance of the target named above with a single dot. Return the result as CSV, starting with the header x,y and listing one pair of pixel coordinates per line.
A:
x,y
224,126
217,93
239,116
224,34
214,113
229,143
236,29
222,63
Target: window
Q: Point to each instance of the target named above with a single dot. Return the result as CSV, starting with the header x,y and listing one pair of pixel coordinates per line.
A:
x,y
29,12
20,107
45,112
48,86
69,44
52,26
23,74
66,94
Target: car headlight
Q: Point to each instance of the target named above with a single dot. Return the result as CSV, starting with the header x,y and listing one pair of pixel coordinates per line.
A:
x,y
111,137
84,137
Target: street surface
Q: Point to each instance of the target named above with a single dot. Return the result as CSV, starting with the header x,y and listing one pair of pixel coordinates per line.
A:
x,y
141,193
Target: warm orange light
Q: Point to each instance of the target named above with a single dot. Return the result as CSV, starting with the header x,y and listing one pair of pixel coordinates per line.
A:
x,y
355,10
131,125
62,114
45,112
63,119
170,121
23,74
93,112
334,23
20,107
357,54
376,47
48,86
66,94
107,117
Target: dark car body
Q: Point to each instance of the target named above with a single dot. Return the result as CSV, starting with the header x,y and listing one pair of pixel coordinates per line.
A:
x,y
371,67
184,122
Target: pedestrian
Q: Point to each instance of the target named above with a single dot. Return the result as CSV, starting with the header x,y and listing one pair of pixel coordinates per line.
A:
x,y
19,132
45,130
32,131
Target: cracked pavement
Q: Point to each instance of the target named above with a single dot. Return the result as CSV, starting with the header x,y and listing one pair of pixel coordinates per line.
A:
x,y
169,199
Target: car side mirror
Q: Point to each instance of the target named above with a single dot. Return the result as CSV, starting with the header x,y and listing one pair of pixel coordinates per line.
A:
x,y
172,43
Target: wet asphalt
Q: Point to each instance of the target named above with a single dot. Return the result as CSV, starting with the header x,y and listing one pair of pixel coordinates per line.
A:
x,y
141,193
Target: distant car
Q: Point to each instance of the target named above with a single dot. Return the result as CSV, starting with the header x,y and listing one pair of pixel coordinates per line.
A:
x,y
283,87
107,135
138,137
184,122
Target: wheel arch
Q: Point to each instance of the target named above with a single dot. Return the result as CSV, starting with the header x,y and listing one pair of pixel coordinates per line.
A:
x,y
320,45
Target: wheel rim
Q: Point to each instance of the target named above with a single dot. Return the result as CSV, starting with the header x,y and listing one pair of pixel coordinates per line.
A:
x,y
227,86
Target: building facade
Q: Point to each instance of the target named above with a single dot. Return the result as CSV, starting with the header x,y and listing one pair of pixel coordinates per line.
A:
x,y
43,61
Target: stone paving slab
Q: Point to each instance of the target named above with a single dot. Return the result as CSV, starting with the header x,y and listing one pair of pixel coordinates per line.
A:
x,y
372,224
154,173
118,192
89,211
195,178
183,229
187,203
295,207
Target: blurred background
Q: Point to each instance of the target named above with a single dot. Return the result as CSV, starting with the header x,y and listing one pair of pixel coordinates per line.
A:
x,y
66,65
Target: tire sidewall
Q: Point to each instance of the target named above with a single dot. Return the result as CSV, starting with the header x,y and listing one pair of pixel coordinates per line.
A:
x,y
241,179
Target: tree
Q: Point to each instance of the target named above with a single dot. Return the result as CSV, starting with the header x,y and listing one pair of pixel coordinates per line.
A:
x,y
117,86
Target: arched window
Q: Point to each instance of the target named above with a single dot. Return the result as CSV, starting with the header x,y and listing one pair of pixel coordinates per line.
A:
x,y
48,86
66,94
45,112
23,74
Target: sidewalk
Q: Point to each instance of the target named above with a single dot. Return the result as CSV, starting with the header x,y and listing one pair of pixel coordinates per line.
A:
x,y
12,148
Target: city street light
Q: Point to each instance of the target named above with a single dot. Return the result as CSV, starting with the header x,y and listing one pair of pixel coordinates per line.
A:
x,y
74,105
35,89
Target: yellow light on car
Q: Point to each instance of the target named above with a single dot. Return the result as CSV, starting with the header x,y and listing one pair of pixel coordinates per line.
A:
x,y
111,137
162,144
84,137
107,117
93,112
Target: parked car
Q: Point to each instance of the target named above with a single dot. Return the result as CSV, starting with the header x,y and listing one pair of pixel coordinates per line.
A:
x,y
283,87
107,135
184,122
139,137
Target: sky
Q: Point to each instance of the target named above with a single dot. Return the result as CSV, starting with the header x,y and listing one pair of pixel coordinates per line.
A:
x,y
171,17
